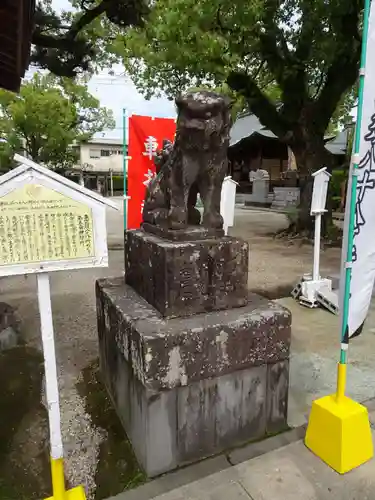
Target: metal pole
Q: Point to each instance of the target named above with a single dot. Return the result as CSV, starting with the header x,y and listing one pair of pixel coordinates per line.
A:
x,y
125,155
111,181
349,251
318,225
52,391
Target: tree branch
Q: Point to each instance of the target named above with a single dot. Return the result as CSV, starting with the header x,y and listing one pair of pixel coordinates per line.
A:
x,y
343,72
86,18
275,56
320,84
64,53
259,104
55,41
304,45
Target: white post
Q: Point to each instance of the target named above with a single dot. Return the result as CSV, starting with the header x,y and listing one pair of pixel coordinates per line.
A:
x,y
318,223
227,202
111,180
52,391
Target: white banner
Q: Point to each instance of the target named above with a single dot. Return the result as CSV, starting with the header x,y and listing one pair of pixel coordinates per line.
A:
x,y
363,267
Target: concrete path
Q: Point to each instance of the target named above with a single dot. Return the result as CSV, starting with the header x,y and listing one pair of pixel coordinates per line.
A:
x,y
288,473
314,356
291,473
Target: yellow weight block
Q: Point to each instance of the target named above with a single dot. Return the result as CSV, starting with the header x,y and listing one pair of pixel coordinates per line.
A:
x,y
339,430
58,484
77,493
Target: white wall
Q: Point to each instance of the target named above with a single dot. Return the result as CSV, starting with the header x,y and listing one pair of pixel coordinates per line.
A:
x,y
113,162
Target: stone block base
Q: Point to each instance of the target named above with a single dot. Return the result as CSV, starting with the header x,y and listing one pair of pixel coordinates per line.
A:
x,y
181,278
186,389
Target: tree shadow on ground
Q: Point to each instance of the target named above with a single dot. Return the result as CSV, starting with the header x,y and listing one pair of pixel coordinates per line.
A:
x,y
277,292
24,455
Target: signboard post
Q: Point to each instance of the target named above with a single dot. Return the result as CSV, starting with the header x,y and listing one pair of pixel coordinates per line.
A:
x,y
313,290
312,287
48,223
318,208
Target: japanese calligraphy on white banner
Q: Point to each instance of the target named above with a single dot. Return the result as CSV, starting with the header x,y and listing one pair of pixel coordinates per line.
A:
x,y
363,265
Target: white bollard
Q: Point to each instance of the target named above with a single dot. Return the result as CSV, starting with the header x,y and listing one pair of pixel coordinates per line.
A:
x,y
227,202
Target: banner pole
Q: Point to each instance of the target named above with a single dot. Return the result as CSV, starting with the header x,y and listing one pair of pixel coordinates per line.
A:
x,y
341,379
339,430
125,141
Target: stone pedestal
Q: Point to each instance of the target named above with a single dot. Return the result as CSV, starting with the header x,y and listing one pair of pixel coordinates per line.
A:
x,y
181,278
285,197
193,363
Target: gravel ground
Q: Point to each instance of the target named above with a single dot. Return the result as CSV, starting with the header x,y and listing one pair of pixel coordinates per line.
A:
x,y
277,264
274,265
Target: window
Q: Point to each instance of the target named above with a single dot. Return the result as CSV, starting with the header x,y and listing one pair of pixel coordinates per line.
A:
x,y
94,153
105,152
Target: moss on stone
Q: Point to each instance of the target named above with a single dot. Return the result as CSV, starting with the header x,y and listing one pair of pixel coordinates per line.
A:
x,y
117,468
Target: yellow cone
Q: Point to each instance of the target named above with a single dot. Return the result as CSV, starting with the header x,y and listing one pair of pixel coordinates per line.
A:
x,y
339,430
58,484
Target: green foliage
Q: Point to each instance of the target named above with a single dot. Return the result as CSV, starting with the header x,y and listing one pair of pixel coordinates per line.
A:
x,y
338,177
349,149
303,54
179,47
79,40
292,214
47,117
118,183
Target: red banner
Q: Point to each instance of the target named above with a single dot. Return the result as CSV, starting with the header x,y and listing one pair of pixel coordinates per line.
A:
x,y
146,137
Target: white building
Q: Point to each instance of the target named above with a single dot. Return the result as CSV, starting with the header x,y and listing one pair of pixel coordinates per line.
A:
x,y
101,155
100,165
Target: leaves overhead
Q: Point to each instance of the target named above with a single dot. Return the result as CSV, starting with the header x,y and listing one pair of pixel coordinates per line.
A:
x,y
301,53
77,40
47,117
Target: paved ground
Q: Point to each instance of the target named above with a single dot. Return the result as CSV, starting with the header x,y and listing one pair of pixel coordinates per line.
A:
x,y
314,357
90,438
279,468
289,473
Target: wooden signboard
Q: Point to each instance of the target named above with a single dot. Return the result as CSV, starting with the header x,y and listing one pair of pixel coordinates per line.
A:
x,y
48,223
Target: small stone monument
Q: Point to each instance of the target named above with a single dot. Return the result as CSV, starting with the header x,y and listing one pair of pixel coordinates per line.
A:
x,y
261,186
193,362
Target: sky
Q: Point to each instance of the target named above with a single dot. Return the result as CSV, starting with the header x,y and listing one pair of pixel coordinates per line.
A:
x,y
118,92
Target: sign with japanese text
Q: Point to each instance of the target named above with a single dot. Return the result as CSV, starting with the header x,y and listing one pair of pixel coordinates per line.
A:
x,y
48,223
39,224
146,136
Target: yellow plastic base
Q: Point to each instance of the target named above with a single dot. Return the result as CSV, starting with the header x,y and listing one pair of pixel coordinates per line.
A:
x,y
58,484
340,433
77,493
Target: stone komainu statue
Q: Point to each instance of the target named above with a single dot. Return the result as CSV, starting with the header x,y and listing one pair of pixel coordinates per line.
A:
x,y
195,163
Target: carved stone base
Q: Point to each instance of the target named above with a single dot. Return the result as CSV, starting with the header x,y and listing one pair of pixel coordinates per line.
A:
x,y
181,278
188,388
